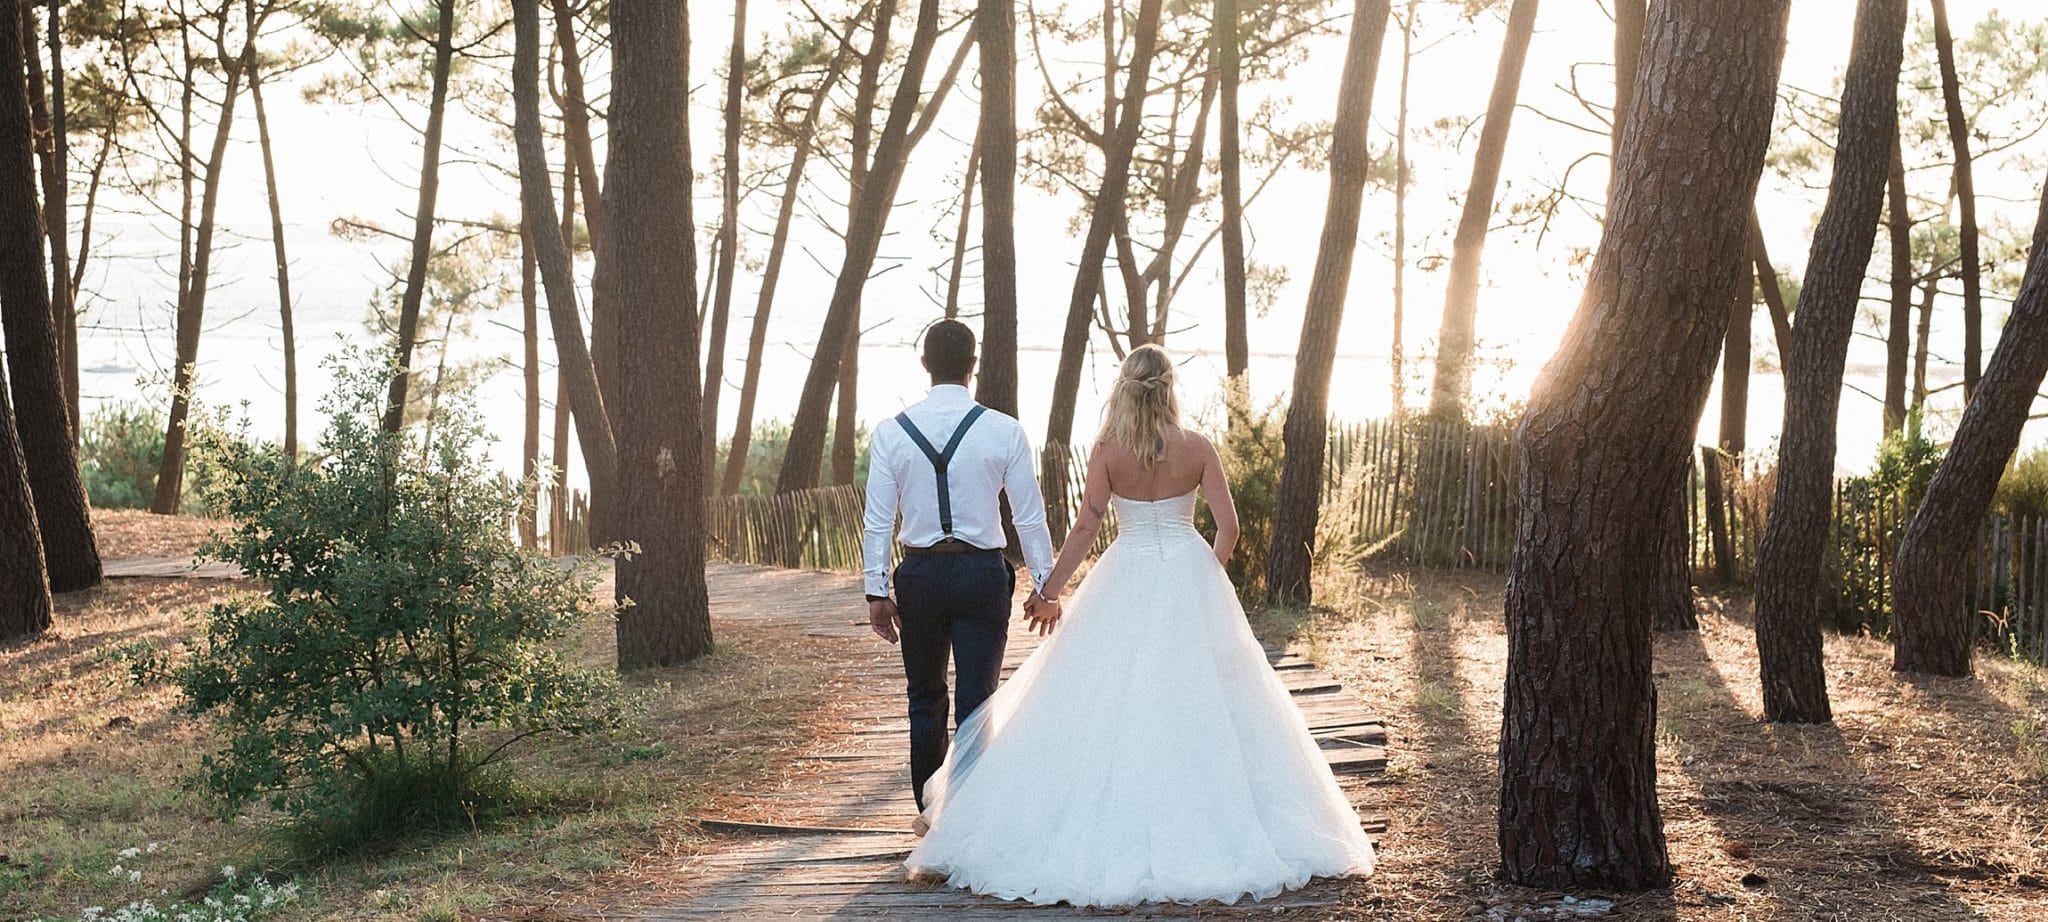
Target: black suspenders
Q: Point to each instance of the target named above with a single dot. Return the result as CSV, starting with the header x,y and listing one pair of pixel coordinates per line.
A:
x,y
941,459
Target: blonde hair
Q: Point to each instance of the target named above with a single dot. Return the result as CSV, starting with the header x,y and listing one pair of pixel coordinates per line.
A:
x,y
1143,407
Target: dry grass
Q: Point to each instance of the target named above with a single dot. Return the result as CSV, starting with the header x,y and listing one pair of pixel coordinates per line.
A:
x,y
96,765
1925,800
135,533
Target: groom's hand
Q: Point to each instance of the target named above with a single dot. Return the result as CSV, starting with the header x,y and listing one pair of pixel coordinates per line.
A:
x,y
1044,613
883,619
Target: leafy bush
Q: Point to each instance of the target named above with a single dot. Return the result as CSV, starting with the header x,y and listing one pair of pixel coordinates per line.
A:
x,y
402,641
121,447
770,441
1872,514
2024,491
1251,452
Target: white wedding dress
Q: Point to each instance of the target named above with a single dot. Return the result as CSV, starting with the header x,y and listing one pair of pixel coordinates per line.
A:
x,y
1145,753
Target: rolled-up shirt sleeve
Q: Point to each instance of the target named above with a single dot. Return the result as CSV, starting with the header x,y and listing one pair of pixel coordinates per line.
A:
x,y
1027,511
878,531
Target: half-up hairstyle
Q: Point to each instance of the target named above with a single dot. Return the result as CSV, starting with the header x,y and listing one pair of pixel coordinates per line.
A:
x,y
1143,408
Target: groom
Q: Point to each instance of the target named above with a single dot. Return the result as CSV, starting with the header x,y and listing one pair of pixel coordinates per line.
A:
x,y
943,464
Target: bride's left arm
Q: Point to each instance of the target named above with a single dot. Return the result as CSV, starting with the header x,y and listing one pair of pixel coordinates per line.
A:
x,y
1216,492
1087,525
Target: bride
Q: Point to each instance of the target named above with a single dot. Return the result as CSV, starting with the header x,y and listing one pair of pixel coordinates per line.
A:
x,y
1146,752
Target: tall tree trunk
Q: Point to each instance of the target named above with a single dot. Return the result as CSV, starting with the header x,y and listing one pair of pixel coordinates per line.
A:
x,y
53,152
604,325
1603,447
1397,350
40,417
863,240
195,277
1972,269
1796,537
1298,507
957,272
1122,140
996,152
1237,351
423,216
1773,291
846,416
1930,287
1455,341
757,339
558,495
1932,623
1718,464
728,234
661,454
594,430
1898,329
1630,19
23,581
277,248
529,365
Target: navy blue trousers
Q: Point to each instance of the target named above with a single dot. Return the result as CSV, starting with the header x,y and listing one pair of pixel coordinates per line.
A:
x,y
956,604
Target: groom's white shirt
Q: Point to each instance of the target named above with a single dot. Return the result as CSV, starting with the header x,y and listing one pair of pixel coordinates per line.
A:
x,y
994,457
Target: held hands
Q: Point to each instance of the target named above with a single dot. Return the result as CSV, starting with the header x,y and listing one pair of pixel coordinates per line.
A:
x,y
1043,614
883,619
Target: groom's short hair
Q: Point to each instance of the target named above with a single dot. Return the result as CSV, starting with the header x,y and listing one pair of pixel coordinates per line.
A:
x,y
949,350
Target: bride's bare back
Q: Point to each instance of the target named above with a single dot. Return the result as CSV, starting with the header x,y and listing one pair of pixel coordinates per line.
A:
x,y
1190,463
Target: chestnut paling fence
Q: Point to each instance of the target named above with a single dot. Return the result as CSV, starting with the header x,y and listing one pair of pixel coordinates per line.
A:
x,y
1443,494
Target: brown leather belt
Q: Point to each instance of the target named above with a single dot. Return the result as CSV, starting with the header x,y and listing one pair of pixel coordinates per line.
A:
x,y
949,546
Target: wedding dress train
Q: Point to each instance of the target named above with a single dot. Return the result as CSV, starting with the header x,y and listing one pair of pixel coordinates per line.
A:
x,y
1146,752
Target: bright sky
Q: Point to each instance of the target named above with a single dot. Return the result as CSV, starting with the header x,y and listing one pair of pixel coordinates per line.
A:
x,y
336,161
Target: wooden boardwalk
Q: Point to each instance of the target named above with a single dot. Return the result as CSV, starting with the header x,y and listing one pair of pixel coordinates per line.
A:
x,y
836,842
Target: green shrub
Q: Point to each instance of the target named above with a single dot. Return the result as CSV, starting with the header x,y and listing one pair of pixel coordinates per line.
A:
x,y
2024,491
1251,452
121,446
402,641
1871,515
770,441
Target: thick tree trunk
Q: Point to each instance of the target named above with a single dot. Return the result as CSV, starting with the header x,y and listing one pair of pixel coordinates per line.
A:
x,y
1397,349
594,431
52,150
423,216
1603,448
863,240
661,454
1932,623
41,417
757,339
195,275
529,365
604,324
1292,555
1122,142
277,249
1796,537
1899,327
1456,338
1236,317
996,152
728,234
1972,269
23,582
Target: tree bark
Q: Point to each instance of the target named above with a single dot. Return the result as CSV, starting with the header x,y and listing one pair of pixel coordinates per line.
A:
x,y
1298,507
594,431
728,234
1773,292
51,148
1630,19
957,271
1108,213
23,581
1236,317
1972,269
1796,537
529,327
996,152
863,240
1397,350
1928,289
1603,448
277,248
604,325
423,216
40,416
1456,339
1899,327
661,454
1932,624
757,339
846,416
